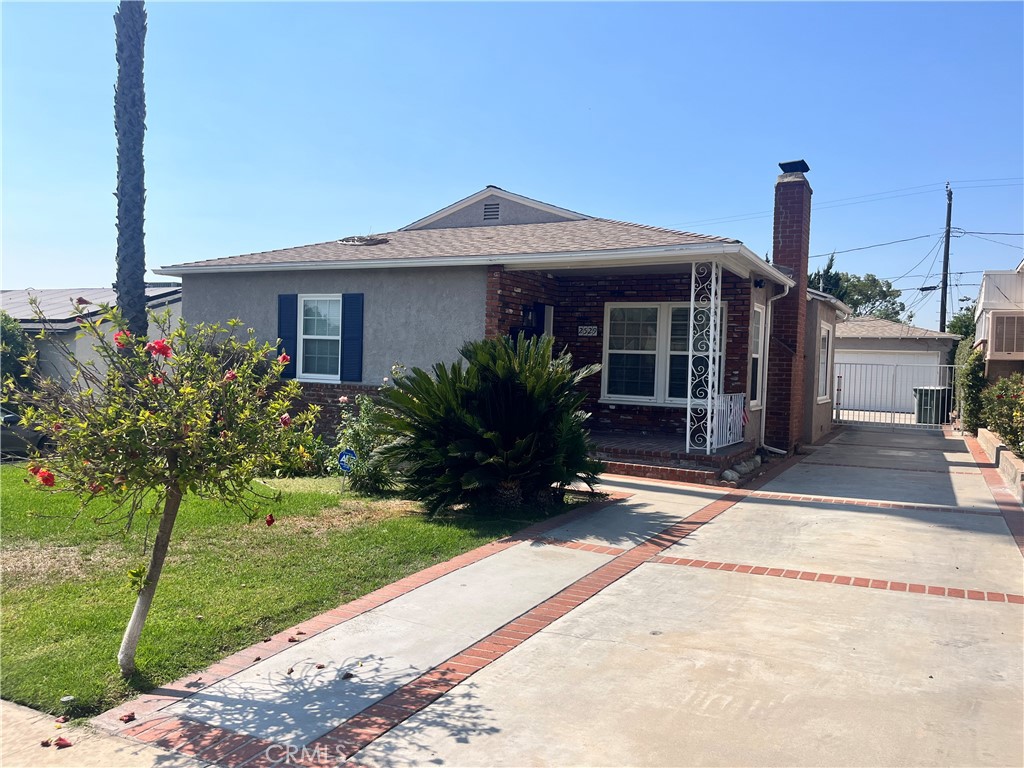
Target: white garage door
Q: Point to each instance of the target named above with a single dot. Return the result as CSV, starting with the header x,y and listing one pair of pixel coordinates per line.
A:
x,y
886,382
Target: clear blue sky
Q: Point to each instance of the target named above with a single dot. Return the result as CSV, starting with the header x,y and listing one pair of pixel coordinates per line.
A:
x,y
274,125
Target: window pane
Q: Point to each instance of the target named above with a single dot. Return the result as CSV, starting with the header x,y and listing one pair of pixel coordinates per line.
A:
x,y
823,382
755,337
631,375
633,328
755,379
679,376
680,341
321,356
321,317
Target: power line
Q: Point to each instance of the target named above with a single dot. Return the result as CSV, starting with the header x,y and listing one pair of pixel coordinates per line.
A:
x,y
876,245
1005,234
997,242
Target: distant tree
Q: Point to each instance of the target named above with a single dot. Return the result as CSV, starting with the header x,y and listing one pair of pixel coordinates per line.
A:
x,y
15,346
866,296
962,323
130,128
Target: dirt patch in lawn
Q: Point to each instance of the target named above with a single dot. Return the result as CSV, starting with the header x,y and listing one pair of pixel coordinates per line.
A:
x,y
349,514
31,564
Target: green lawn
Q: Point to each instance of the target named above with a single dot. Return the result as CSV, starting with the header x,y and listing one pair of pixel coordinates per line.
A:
x,y
227,583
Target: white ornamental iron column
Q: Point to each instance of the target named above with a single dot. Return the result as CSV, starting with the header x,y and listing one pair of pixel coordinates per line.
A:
x,y
702,373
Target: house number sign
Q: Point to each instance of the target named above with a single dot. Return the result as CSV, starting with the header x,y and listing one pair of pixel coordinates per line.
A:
x,y
586,330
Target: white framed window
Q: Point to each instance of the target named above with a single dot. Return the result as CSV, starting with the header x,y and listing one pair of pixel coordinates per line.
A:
x,y
319,357
756,347
647,353
825,363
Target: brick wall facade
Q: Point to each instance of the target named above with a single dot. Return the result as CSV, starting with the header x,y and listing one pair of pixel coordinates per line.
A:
x,y
581,301
326,396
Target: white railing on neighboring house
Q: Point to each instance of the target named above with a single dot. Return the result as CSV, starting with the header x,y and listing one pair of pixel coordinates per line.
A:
x,y
728,420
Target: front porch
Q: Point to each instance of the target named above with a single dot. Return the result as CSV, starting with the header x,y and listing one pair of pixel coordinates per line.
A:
x,y
665,457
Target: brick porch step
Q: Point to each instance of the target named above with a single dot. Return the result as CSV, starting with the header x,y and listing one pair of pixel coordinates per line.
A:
x,y
654,471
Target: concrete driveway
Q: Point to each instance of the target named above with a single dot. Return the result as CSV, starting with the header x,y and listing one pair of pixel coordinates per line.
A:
x,y
862,608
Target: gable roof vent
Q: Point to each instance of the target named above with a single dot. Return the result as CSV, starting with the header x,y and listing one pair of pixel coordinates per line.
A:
x,y
491,211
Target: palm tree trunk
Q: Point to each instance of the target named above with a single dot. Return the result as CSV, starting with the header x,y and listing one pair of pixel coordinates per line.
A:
x,y
126,656
130,127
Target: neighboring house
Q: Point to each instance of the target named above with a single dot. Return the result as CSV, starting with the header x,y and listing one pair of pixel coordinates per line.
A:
x,y
698,337
882,362
999,319
57,306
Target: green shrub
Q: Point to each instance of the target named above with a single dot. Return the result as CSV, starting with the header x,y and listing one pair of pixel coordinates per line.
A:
x,y
15,347
307,455
503,428
363,431
970,381
1003,411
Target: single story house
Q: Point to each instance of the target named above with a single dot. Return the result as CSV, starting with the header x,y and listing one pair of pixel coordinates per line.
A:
x,y
57,306
999,321
702,343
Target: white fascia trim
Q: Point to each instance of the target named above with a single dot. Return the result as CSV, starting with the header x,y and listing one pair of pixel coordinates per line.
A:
x,y
625,257
487,192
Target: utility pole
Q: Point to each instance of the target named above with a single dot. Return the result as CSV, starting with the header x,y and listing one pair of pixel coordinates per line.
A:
x,y
945,259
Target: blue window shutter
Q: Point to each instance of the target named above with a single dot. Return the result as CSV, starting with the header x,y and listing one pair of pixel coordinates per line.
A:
x,y
288,330
352,337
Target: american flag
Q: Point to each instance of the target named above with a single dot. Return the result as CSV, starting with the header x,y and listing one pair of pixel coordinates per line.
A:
x,y
746,416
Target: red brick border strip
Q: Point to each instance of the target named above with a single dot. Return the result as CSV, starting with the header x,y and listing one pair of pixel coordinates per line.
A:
x,y
851,581
1009,507
149,704
373,722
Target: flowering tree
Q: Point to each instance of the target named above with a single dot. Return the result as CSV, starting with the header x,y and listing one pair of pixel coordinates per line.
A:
x,y
196,410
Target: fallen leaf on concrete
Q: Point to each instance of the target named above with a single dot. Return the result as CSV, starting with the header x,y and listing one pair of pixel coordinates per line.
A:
x,y
61,743
127,718
347,676
300,632
257,658
290,670
320,666
292,639
45,743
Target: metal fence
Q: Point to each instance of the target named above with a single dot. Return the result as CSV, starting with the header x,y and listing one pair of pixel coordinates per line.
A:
x,y
919,396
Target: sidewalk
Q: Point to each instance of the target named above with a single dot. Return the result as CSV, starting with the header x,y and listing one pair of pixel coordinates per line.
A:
x,y
23,729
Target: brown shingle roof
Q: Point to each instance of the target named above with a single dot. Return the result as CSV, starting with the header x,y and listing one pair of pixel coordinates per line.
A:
x,y
876,328
508,239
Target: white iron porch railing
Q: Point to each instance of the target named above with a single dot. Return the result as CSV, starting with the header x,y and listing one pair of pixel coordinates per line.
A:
x,y
728,420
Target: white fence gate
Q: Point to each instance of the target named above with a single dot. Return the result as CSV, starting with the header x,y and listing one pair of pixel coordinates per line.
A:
x,y
919,396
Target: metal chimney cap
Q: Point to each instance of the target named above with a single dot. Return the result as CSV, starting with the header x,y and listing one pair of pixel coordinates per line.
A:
x,y
795,166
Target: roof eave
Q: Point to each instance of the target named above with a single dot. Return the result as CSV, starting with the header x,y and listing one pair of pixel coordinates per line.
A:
x,y
740,260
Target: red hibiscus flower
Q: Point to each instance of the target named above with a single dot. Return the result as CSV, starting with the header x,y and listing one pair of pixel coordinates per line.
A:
x,y
45,477
121,339
156,379
286,420
80,320
230,375
61,743
160,347
283,358
57,426
127,717
33,469
95,488
269,520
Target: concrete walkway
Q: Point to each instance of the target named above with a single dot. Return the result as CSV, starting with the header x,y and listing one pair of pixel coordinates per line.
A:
x,y
864,607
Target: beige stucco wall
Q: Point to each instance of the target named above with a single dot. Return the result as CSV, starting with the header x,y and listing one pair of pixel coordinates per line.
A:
x,y
818,415
415,317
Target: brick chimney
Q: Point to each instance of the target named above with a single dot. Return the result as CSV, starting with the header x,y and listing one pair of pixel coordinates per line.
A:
x,y
786,390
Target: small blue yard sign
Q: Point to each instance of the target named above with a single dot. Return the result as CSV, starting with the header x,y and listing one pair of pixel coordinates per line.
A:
x,y
345,459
